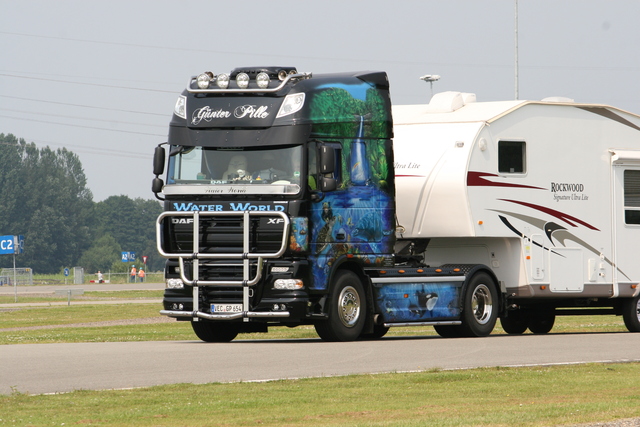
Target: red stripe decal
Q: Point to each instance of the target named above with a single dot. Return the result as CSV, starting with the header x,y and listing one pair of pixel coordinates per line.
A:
x,y
476,179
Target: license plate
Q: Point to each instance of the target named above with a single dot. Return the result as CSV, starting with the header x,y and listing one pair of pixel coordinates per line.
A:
x,y
226,308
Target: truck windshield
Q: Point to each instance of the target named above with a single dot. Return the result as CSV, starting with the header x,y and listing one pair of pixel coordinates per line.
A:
x,y
225,171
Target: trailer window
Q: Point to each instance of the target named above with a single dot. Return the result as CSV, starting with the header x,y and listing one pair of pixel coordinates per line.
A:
x,y
632,196
511,156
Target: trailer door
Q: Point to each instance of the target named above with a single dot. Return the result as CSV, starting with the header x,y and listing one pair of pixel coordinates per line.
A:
x,y
626,216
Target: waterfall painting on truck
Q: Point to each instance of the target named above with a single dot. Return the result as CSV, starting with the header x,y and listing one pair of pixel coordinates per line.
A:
x,y
356,220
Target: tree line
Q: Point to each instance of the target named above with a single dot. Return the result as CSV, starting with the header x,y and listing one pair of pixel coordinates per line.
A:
x,y
44,197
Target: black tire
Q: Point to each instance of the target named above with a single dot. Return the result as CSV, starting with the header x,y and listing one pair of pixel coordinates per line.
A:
x,y
378,332
215,331
346,308
480,306
448,331
542,320
515,322
631,313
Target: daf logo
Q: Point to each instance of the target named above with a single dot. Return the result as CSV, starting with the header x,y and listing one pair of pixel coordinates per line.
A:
x,y
275,221
181,220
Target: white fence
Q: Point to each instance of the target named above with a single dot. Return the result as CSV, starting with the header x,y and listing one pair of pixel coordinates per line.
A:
x,y
20,277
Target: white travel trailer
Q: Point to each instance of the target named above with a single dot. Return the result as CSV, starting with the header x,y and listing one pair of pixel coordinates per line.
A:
x,y
544,193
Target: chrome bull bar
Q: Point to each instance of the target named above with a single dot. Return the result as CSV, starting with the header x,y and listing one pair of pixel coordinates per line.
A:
x,y
245,256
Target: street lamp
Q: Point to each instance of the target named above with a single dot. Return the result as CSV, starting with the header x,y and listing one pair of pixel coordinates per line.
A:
x,y
430,78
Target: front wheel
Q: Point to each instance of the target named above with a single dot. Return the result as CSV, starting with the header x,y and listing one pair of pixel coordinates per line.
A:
x,y
631,313
346,308
480,308
215,331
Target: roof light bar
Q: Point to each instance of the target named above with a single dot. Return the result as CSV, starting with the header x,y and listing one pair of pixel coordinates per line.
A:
x,y
243,83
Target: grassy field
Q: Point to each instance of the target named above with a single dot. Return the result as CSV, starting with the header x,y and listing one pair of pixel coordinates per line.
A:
x,y
534,396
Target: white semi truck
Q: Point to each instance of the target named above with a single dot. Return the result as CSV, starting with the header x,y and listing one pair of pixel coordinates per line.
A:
x,y
292,198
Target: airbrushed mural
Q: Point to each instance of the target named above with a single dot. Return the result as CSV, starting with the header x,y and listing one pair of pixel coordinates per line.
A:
x,y
418,301
356,220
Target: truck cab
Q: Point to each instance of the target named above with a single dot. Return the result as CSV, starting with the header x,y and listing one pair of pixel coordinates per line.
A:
x,y
278,194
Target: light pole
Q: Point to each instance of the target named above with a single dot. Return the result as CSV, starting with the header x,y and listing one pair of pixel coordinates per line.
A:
x,y
517,89
430,78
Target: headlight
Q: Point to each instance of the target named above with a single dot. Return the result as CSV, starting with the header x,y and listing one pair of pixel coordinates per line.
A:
x,y
222,81
181,107
292,103
242,80
262,80
288,284
174,284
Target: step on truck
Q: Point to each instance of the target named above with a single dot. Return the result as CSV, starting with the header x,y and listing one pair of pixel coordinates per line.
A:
x,y
299,199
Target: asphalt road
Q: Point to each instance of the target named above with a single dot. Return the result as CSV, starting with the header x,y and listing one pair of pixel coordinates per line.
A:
x,y
52,368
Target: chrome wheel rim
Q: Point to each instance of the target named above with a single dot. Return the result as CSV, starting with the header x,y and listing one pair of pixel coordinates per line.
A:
x,y
349,306
482,304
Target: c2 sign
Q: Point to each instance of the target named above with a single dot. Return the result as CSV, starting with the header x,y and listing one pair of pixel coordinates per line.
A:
x,y
7,245
11,244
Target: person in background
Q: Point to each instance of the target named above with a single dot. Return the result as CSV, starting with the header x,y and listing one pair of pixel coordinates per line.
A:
x,y
133,274
100,278
141,275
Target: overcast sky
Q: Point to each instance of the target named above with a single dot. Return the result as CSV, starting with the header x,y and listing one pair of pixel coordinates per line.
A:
x,y
101,77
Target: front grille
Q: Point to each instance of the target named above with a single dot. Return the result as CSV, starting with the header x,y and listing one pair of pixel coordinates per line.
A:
x,y
220,271
225,235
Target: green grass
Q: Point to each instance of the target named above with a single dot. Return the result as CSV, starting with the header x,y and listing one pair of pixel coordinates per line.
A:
x,y
533,396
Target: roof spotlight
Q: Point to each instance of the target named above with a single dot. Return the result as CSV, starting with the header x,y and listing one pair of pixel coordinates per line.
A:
x,y
262,79
204,79
282,74
242,80
222,81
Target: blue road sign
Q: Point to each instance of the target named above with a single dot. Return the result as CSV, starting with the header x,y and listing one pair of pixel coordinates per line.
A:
x,y
11,244
128,256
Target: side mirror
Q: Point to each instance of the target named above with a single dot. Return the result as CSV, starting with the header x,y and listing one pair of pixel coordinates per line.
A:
x,y
328,184
327,159
158,161
156,185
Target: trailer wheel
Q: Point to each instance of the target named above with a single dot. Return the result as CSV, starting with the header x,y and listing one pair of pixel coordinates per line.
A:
x,y
215,331
516,322
631,313
346,309
480,312
542,321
